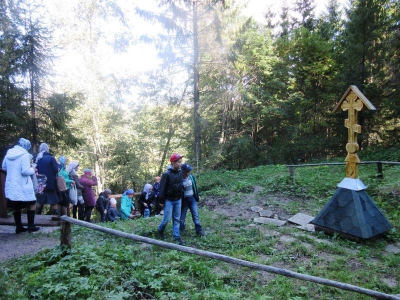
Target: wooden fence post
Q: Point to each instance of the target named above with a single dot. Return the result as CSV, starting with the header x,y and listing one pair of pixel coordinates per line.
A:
x,y
291,171
65,234
3,200
379,166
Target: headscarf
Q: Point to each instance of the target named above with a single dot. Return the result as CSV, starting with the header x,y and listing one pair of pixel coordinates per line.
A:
x,y
129,192
113,201
62,161
42,148
87,171
146,189
71,167
24,143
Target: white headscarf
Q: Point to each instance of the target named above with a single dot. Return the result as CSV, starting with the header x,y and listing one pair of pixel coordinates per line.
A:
x,y
71,167
24,143
146,189
42,148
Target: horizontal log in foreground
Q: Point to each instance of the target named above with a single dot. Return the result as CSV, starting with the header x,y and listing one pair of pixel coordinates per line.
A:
x,y
66,231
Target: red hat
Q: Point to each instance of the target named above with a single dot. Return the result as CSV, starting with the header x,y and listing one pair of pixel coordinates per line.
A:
x,y
174,157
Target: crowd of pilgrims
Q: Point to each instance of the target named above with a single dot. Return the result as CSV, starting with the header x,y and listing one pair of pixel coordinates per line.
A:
x,y
23,191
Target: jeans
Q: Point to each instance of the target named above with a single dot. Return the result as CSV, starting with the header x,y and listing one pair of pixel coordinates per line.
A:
x,y
172,209
191,204
102,214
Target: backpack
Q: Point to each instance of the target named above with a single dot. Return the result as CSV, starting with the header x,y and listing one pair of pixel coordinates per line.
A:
x,y
61,184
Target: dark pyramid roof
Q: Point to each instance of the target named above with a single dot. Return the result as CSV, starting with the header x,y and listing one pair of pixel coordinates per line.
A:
x,y
353,213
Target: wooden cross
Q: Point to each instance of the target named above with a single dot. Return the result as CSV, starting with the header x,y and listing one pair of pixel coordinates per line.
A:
x,y
353,101
353,105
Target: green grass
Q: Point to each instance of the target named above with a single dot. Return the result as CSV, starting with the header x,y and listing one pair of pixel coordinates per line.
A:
x,y
100,266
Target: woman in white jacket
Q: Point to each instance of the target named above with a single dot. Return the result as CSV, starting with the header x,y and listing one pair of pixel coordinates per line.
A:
x,y
19,187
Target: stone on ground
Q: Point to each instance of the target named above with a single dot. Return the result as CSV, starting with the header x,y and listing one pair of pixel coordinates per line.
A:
x,y
263,220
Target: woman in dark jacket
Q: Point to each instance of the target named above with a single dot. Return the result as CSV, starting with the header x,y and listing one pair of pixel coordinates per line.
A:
x,y
73,174
47,165
146,198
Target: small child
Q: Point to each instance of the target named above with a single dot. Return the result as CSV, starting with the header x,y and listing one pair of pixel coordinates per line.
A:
x,y
112,210
190,199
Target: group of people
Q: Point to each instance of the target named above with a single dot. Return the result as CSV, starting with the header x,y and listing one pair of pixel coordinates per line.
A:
x,y
21,185
172,195
178,194
59,200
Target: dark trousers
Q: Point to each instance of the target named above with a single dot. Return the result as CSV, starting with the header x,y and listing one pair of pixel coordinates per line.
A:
x,y
88,213
80,209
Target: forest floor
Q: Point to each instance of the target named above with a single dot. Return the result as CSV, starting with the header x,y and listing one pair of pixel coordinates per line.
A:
x,y
14,245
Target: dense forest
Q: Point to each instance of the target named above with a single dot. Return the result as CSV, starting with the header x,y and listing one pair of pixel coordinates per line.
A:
x,y
228,92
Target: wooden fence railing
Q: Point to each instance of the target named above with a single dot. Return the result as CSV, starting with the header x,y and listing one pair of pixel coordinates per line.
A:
x,y
378,165
66,241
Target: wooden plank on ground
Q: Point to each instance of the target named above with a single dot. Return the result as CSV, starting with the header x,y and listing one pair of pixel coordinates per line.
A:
x,y
40,220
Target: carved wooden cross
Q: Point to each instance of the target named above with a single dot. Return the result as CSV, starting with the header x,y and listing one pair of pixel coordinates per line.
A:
x,y
353,101
353,105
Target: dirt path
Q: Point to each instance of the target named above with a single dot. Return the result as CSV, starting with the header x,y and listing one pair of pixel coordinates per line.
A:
x,y
15,245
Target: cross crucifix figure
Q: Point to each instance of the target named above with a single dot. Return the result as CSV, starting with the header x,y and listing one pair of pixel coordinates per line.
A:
x,y
353,101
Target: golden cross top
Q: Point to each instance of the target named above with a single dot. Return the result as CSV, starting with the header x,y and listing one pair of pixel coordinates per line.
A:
x,y
353,105
353,101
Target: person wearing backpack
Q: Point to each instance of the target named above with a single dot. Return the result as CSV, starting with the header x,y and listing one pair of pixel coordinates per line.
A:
x,y
47,165
102,204
64,203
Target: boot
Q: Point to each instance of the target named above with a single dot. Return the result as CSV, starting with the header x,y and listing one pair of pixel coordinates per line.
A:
x,y
18,224
31,221
39,209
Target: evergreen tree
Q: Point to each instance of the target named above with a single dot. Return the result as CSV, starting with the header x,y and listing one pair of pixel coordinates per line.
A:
x,y
364,61
182,17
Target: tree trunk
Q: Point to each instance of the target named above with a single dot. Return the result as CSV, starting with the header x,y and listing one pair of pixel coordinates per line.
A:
x,y
33,108
196,95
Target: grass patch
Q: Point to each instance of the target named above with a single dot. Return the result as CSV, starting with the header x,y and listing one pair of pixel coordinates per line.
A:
x,y
100,266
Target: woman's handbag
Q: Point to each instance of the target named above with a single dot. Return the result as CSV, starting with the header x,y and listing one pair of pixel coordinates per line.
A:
x,y
61,184
73,195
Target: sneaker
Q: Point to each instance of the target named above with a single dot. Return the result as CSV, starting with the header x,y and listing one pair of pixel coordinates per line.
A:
x,y
179,241
201,233
161,234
